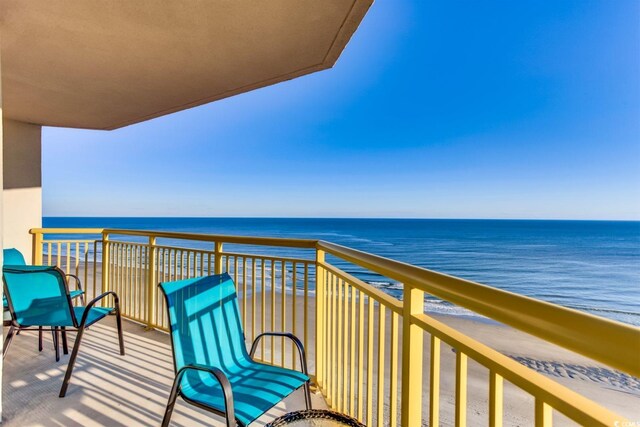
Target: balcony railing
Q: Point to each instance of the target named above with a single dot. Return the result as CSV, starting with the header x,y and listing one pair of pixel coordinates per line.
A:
x,y
366,349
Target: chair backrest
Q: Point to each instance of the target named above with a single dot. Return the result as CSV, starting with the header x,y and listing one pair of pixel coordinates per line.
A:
x,y
205,322
12,256
38,296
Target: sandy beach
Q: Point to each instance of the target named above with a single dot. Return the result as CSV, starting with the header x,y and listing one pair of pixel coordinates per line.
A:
x,y
612,389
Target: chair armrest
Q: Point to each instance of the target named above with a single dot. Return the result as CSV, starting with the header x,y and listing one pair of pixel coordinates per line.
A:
x,y
296,341
77,279
94,301
222,379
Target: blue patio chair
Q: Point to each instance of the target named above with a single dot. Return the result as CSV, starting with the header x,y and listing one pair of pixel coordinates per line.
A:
x,y
214,371
39,296
13,256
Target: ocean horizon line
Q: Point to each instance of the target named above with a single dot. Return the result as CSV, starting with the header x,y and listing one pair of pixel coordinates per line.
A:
x,y
350,218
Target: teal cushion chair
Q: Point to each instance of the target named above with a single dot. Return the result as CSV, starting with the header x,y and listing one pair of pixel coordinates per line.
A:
x,y
39,297
214,371
13,256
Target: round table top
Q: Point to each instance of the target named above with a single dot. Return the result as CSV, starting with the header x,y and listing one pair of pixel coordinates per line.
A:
x,y
315,417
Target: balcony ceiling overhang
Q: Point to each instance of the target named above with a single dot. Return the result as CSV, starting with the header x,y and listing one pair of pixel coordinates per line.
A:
x,y
104,64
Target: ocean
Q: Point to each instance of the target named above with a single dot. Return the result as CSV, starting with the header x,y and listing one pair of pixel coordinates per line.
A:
x,y
592,266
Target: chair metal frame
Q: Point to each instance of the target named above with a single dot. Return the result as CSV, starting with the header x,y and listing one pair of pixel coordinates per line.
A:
x,y
40,330
55,331
78,327
219,375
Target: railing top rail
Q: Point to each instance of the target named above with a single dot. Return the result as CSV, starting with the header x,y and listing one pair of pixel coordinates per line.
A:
x,y
613,343
244,240
66,231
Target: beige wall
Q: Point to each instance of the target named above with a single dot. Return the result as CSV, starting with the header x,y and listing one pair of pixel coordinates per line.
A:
x,y
22,175
1,226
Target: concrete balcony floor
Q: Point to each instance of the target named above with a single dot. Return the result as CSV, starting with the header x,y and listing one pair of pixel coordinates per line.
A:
x,y
106,389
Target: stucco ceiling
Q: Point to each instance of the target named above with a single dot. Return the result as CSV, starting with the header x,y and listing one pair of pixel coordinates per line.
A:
x,y
103,64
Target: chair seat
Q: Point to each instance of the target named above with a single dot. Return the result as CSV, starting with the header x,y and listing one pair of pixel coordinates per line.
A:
x,y
58,317
72,294
95,313
256,388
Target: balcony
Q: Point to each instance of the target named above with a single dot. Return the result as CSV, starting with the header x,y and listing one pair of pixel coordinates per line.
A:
x,y
382,360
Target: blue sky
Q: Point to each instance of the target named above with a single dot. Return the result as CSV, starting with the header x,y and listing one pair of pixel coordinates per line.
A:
x,y
436,109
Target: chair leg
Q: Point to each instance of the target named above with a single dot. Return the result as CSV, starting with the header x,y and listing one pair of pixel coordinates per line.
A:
x,y
171,403
307,395
72,361
65,347
7,341
40,338
119,325
56,346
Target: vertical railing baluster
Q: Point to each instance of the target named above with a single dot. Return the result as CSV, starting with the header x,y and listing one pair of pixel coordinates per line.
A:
x,y
338,360
495,399
352,354
382,320
543,414
136,282
244,292
294,320
412,357
118,269
345,347
106,259
328,335
217,255
68,251
36,248
334,340
305,338
461,389
235,271
320,287
188,263
126,294
273,309
283,309
86,266
393,372
253,299
77,266
360,356
434,382
263,310
370,328
151,280
95,272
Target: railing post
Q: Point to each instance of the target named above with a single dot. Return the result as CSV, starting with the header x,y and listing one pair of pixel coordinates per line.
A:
x,y
36,248
105,264
319,318
217,266
151,282
412,357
